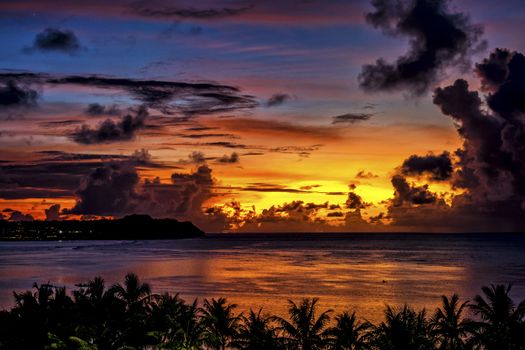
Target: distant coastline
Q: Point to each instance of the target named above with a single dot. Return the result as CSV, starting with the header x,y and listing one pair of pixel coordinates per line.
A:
x,y
128,227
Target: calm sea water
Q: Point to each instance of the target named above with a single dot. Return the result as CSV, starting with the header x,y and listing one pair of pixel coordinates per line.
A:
x,y
346,271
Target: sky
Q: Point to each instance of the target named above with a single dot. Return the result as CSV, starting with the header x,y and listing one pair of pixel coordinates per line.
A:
x,y
365,115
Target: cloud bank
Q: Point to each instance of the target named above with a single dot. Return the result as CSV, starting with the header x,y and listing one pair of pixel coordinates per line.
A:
x,y
439,38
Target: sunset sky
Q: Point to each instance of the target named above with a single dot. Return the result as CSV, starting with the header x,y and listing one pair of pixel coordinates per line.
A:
x,y
356,115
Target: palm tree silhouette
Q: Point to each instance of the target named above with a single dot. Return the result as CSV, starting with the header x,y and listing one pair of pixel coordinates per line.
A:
x,y
135,297
305,330
61,316
165,310
190,333
220,323
257,332
449,326
133,291
129,317
96,289
39,299
501,325
403,330
48,311
348,333
99,313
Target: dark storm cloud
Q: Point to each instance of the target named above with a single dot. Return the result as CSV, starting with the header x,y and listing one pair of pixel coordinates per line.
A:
x,y
334,193
96,109
297,216
225,144
493,158
355,201
309,187
253,154
225,159
294,211
67,156
202,176
493,71
17,89
147,9
213,103
302,151
412,194
197,157
351,118
199,98
490,166
59,123
18,216
439,38
481,131
53,39
169,97
202,136
264,187
277,99
43,179
369,106
361,174
271,188
146,90
53,212
438,167
184,196
24,76
108,190
201,128
110,131
503,75
12,94
58,174
140,157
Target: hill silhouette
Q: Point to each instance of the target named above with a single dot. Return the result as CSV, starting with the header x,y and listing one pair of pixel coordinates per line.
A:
x,y
129,227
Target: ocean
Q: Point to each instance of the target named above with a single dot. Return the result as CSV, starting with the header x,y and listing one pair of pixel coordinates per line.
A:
x,y
347,271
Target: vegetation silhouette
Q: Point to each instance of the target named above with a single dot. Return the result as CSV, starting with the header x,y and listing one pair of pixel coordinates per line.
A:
x,y
129,316
348,333
257,332
403,329
305,330
449,326
220,323
501,325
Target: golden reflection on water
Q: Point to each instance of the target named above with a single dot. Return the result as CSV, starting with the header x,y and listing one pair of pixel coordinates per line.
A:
x,y
361,274
254,281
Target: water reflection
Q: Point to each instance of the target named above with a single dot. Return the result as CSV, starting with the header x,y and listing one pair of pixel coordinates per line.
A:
x,y
361,272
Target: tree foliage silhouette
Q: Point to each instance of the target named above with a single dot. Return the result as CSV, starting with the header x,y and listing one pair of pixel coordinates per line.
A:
x,y
501,325
128,316
305,330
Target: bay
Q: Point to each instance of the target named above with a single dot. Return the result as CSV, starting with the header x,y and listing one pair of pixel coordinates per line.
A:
x,y
354,271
